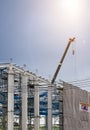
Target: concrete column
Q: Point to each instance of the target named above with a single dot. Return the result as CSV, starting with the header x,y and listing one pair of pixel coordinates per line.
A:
x,y
24,101
10,98
36,108
49,107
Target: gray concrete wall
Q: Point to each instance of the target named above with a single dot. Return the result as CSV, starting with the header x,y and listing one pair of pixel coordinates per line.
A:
x,y
74,119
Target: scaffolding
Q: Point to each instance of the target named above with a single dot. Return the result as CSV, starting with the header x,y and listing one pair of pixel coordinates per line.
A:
x,y
30,102
24,100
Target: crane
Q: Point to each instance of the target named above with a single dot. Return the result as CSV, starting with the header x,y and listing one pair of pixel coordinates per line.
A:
x,y
62,59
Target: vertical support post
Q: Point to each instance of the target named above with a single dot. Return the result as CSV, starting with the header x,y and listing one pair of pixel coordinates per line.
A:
x,y
10,98
46,121
50,107
61,111
36,108
24,101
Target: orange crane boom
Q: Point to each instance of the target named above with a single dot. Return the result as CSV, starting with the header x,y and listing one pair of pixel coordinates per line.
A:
x,y
62,59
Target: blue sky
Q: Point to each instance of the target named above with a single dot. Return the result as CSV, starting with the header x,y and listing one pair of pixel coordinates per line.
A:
x,y
36,32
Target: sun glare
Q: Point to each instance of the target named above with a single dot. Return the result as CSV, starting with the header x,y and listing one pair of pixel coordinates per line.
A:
x,y
69,3
71,7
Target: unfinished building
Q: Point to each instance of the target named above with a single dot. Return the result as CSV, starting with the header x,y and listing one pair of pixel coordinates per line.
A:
x,y
30,102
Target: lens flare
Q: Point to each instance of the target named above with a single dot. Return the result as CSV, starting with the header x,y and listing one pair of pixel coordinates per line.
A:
x,y
71,6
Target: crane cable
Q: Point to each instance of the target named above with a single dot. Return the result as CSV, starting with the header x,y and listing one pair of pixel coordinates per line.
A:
x,y
74,55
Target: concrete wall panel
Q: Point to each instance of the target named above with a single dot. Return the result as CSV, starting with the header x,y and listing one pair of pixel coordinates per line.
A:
x,y
74,119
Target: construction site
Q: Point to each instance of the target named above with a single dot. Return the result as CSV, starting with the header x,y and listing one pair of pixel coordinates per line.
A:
x,y
30,102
